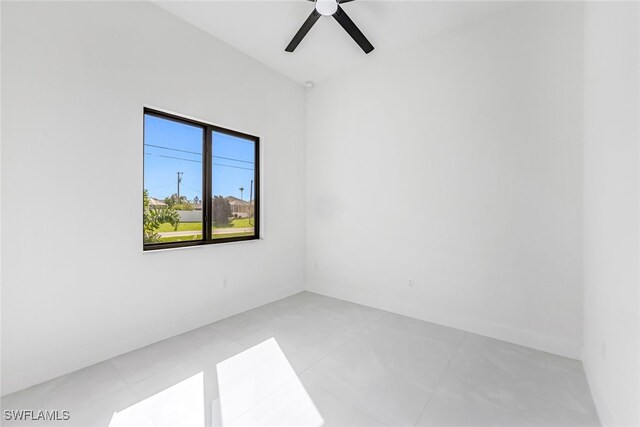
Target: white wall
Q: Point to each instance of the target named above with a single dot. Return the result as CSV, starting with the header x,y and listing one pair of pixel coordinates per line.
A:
x,y
75,78
0,192
611,210
457,162
464,173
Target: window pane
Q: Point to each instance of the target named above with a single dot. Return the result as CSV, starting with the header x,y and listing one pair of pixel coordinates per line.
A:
x,y
172,180
233,184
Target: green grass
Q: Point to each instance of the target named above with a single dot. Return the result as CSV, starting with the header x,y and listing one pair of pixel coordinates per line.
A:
x,y
197,226
183,226
180,238
239,223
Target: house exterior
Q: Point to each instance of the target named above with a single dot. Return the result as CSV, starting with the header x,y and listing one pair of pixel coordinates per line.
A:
x,y
239,207
156,204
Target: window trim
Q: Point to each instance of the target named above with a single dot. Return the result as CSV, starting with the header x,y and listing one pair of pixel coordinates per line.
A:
x,y
207,184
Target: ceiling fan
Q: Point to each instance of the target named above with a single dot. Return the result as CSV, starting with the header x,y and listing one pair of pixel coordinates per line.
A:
x,y
330,8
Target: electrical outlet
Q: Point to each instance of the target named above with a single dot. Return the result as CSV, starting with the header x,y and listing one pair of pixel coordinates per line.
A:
x,y
225,283
411,282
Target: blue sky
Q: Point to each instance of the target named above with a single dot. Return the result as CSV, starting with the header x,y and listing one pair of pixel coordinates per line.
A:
x,y
171,147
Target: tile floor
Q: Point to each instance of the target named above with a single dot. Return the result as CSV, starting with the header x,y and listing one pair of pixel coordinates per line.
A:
x,y
359,366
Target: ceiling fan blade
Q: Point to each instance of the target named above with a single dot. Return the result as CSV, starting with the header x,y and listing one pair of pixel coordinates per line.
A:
x,y
312,19
346,22
344,1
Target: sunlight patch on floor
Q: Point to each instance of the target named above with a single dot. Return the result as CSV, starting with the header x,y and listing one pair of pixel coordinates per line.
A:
x,y
259,387
181,404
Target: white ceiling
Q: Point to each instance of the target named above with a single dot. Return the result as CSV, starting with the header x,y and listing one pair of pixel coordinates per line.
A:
x,y
262,29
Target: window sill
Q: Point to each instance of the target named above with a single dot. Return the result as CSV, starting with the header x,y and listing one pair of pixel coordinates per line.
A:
x,y
168,247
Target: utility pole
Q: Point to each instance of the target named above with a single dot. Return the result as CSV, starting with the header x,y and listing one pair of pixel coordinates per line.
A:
x,y
251,208
179,181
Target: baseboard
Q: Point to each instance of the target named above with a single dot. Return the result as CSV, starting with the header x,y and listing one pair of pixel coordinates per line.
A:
x,y
531,339
12,382
16,381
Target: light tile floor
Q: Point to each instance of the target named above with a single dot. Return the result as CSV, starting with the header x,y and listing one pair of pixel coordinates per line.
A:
x,y
360,367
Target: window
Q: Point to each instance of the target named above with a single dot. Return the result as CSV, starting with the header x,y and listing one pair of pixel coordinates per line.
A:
x,y
201,183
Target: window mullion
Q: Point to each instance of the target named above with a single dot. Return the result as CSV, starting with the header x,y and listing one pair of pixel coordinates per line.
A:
x,y
207,185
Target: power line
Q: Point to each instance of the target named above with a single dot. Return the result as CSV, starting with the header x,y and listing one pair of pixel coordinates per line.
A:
x,y
229,158
234,167
192,189
197,161
199,154
172,149
171,157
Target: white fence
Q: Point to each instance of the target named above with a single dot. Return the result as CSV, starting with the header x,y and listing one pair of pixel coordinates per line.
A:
x,y
190,216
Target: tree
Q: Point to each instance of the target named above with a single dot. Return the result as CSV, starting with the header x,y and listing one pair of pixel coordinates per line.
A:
x,y
241,192
152,219
183,206
173,200
221,211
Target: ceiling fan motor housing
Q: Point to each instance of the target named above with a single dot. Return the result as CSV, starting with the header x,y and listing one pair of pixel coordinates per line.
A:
x,y
326,7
